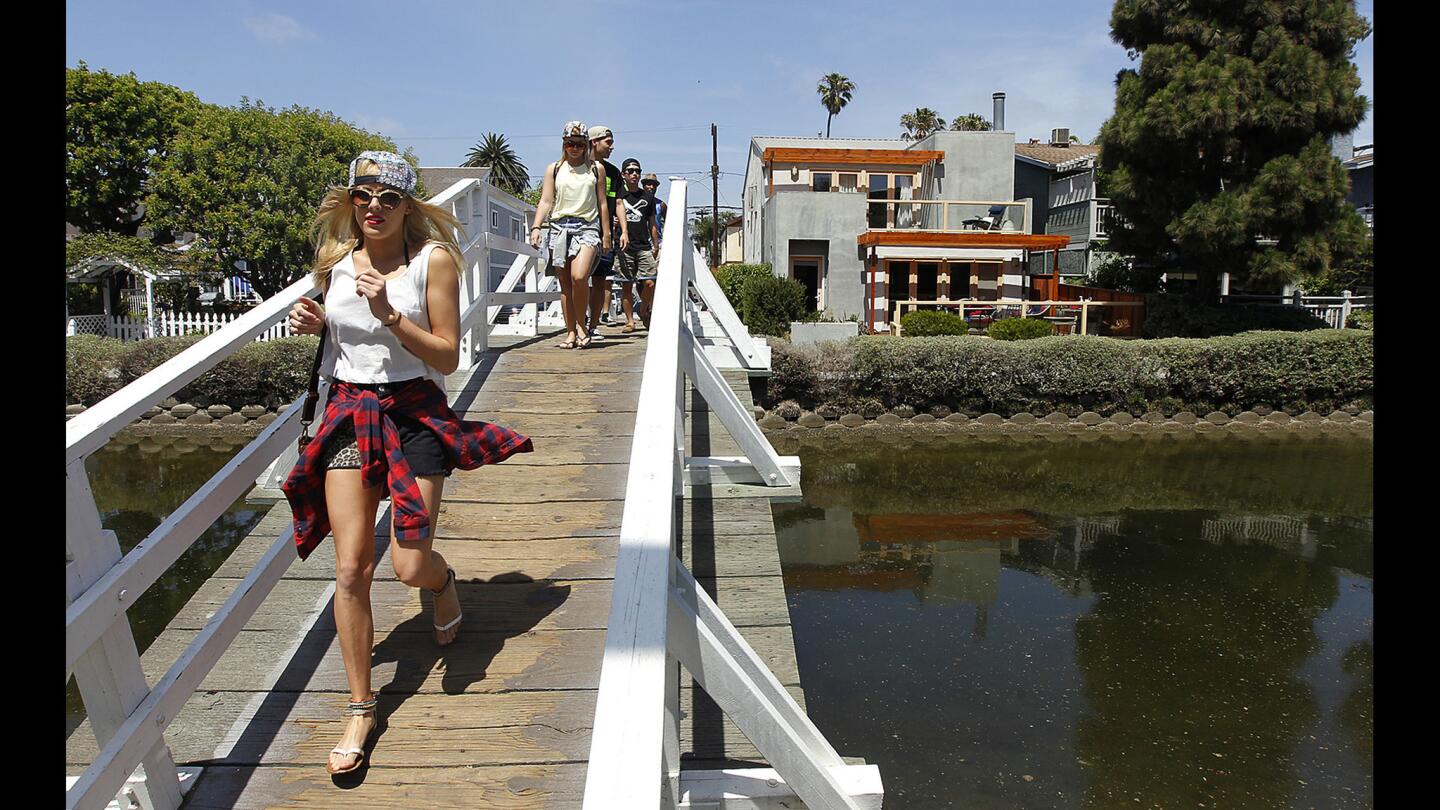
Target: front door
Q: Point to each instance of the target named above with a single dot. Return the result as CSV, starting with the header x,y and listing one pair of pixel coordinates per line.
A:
x,y
809,270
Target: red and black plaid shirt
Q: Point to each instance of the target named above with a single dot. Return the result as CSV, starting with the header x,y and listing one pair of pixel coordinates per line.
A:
x,y
467,445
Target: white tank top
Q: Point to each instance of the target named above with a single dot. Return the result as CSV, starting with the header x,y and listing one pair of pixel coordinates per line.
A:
x,y
358,348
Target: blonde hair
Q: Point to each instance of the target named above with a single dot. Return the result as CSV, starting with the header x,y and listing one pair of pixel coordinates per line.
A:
x,y
335,234
589,154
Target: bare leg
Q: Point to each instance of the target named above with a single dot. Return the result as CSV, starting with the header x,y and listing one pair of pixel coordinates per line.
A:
x,y
563,277
579,270
418,565
627,294
647,295
352,520
597,299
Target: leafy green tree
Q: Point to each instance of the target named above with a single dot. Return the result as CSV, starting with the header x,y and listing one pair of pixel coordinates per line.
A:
x,y
920,123
506,169
532,195
705,231
115,126
835,92
1216,157
970,122
248,179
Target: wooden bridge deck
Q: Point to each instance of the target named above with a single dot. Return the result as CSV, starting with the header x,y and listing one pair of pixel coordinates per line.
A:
x,y
502,717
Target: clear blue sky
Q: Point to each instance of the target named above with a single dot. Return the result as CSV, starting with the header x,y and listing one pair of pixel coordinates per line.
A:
x,y
436,75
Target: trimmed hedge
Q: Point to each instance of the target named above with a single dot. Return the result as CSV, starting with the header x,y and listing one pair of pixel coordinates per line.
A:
x,y
1361,319
769,303
269,373
1319,371
1020,329
731,277
928,323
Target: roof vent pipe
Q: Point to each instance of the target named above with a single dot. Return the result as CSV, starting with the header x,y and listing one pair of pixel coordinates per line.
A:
x,y
999,115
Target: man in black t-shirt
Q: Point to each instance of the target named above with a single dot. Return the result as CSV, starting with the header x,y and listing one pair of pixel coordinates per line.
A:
x,y
636,261
602,143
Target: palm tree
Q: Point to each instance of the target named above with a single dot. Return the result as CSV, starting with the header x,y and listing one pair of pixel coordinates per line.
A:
x,y
835,91
506,170
920,123
969,123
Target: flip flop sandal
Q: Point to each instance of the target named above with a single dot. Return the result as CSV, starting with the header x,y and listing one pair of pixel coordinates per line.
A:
x,y
355,709
583,342
569,344
449,583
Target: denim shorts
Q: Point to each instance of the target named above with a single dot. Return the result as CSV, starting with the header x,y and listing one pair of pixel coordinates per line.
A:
x,y
567,236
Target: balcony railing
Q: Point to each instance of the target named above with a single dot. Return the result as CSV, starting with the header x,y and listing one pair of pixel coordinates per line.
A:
x,y
949,215
1102,218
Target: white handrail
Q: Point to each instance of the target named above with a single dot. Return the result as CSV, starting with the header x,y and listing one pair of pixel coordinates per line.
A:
x,y
660,619
626,767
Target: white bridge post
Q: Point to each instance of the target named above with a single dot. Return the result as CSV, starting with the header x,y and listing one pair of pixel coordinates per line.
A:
x,y
111,680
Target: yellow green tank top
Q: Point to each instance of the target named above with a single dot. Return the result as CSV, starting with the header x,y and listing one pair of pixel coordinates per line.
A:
x,y
575,192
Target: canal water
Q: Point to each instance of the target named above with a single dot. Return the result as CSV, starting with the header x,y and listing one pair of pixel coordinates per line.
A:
x,y
1179,622
137,484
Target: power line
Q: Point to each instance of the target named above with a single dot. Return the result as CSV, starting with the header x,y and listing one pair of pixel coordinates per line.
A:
x,y
550,135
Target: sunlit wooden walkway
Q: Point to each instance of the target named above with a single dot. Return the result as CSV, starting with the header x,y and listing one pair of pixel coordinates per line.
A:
x,y
501,718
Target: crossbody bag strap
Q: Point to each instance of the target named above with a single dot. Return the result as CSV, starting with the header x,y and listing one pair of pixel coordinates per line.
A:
x,y
312,394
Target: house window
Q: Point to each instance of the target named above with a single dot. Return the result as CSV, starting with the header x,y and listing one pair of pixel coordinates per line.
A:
x,y
849,183
495,220
515,228
820,181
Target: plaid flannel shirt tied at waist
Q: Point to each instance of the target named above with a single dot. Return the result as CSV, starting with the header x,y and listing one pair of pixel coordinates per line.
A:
x,y
382,462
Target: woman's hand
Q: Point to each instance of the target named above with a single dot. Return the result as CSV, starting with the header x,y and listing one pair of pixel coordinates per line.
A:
x,y
535,235
307,317
372,285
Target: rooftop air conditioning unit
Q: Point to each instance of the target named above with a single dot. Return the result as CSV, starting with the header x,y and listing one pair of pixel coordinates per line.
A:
x,y
1060,137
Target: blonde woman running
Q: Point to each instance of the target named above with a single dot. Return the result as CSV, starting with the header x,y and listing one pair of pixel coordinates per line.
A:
x,y
573,197
388,265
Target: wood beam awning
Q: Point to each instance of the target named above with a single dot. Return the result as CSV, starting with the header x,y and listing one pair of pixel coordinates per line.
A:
x,y
964,239
852,157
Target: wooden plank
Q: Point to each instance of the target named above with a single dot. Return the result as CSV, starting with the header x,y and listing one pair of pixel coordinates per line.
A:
x,y
974,239
529,484
851,157
557,402
503,787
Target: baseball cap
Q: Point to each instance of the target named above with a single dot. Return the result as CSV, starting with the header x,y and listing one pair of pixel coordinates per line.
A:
x,y
650,178
573,129
393,170
628,163
599,131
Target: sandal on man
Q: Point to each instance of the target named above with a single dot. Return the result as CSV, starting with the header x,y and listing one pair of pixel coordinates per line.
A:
x,y
449,583
355,708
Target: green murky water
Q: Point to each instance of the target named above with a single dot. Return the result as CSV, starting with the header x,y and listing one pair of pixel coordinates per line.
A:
x,y
1180,622
136,486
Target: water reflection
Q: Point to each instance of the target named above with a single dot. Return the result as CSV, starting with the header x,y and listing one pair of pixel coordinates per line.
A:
x,y
137,483
1210,654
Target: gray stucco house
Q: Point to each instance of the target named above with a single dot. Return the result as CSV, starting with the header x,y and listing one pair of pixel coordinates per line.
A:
x,y
505,214
1060,177
865,223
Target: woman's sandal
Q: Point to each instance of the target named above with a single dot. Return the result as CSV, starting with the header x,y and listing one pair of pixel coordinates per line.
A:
x,y
449,583
583,342
355,709
569,344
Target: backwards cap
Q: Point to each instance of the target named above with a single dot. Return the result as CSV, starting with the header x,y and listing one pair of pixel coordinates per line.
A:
x,y
394,171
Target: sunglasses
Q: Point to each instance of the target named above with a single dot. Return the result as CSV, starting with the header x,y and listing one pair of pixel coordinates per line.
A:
x,y
389,200
574,144
629,171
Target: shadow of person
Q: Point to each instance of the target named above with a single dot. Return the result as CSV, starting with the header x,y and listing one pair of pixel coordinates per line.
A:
x,y
496,610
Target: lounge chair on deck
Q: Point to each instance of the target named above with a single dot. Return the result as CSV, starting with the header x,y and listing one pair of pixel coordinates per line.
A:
x,y
989,222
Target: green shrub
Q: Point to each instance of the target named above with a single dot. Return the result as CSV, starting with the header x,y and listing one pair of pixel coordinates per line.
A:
x,y
927,323
92,368
271,373
731,277
1178,316
1020,329
1361,319
768,304
1319,370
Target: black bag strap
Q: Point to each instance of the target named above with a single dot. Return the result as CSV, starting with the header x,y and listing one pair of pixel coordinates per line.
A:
x,y
312,394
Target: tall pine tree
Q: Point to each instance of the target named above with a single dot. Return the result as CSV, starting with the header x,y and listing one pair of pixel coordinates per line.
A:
x,y
1217,156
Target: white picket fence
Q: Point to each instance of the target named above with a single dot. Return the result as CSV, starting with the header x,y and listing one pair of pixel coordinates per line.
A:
x,y
164,324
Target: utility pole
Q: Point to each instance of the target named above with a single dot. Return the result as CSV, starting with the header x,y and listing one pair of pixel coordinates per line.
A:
x,y
715,232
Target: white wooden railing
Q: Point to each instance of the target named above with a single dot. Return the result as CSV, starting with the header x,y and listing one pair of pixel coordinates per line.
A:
x,y
948,215
1332,309
128,716
660,618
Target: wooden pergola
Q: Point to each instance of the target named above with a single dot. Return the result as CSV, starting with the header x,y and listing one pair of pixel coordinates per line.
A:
x,y
991,240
